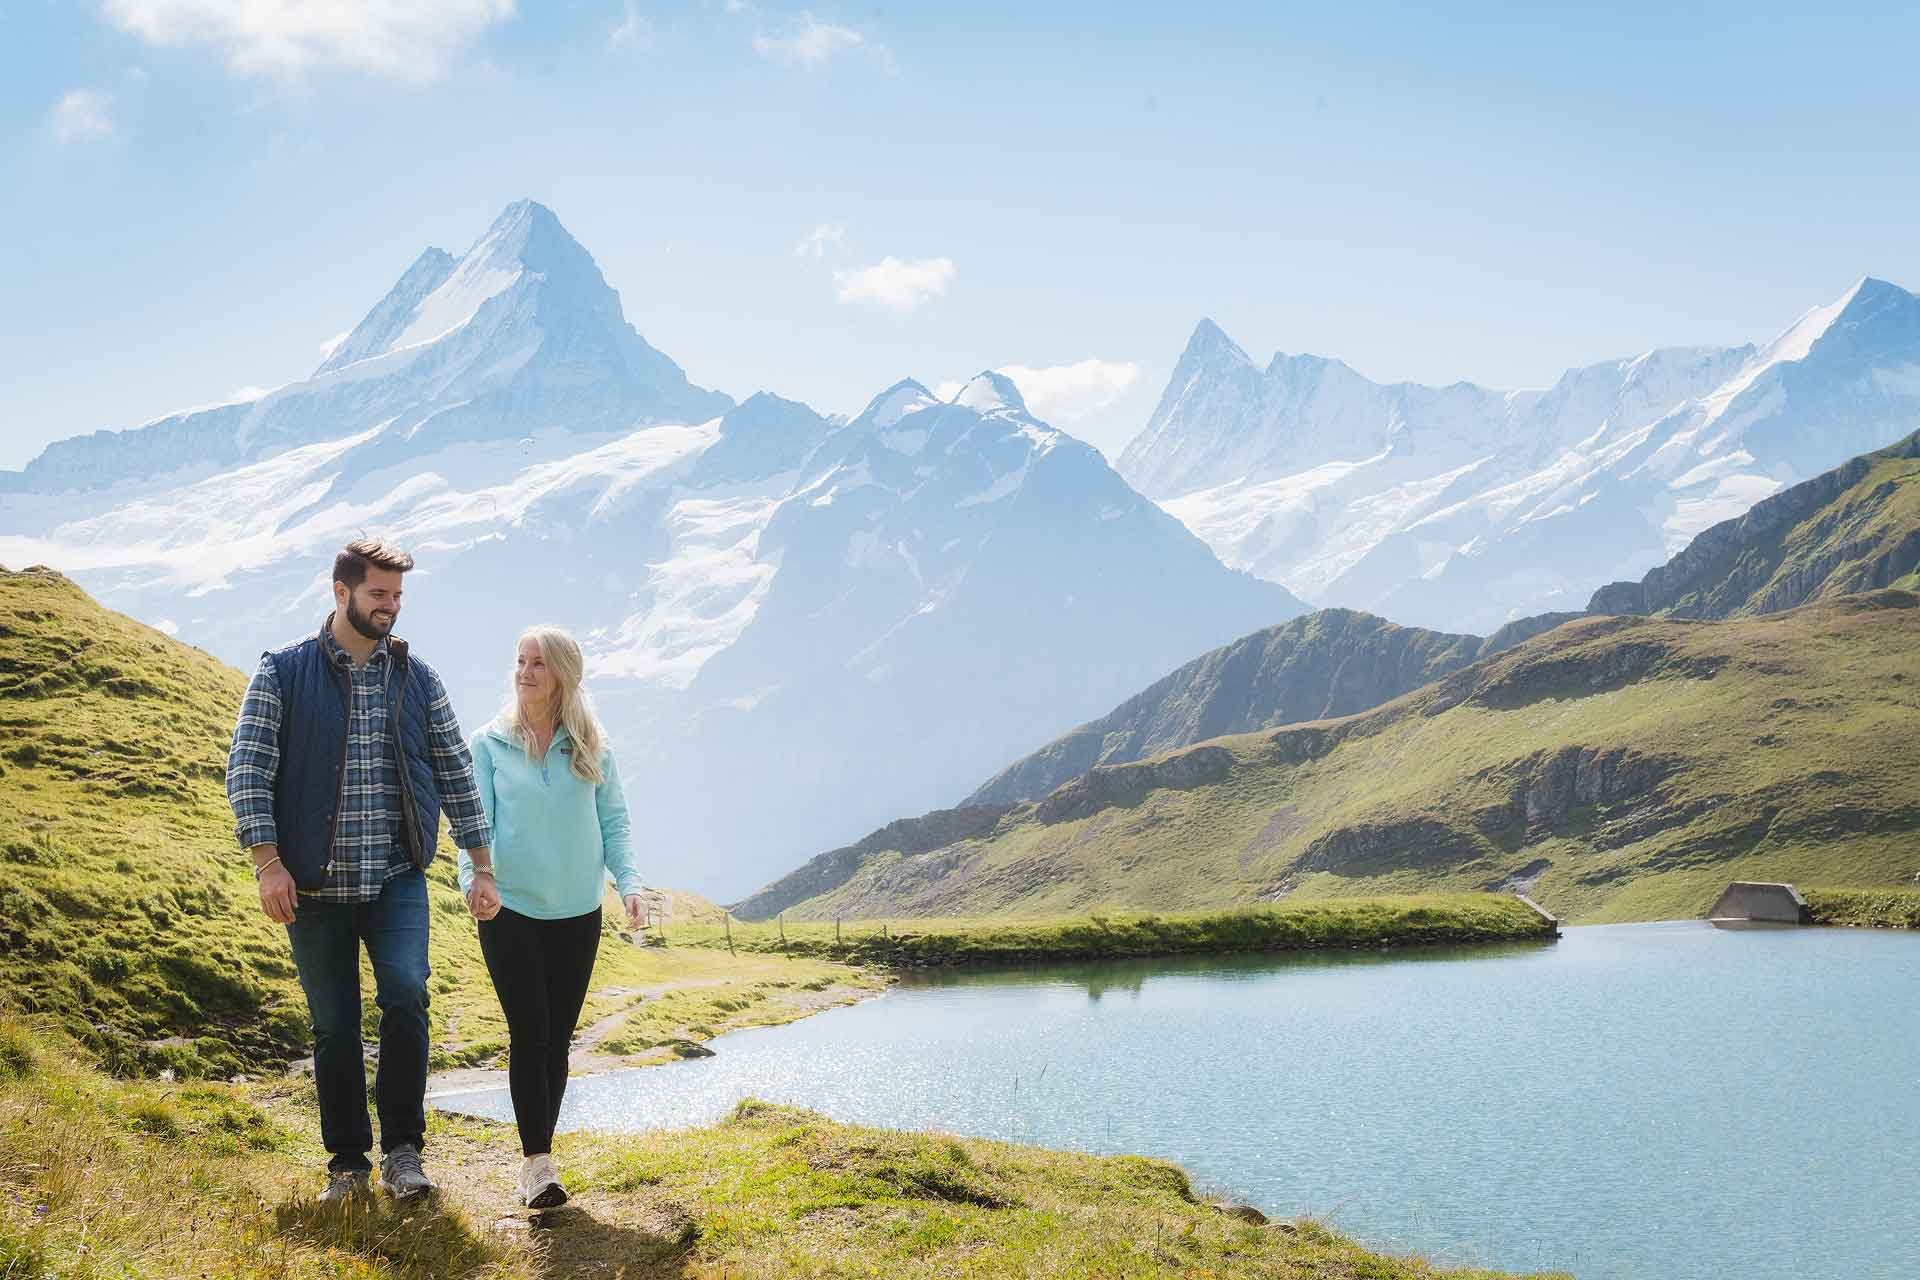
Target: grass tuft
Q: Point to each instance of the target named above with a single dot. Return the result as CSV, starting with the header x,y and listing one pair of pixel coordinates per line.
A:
x,y
16,1053
106,1178
423,1239
1872,908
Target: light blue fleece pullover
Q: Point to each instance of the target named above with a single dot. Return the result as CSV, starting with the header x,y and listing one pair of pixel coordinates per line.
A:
x,y
556,836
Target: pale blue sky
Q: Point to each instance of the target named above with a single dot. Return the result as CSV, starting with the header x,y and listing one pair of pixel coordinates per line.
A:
x,y
1428,192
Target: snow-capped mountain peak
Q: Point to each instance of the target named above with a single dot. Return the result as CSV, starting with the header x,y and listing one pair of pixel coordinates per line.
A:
x,y
1461,507
519,335
892,405
990,392
1209,340
440,294
393,313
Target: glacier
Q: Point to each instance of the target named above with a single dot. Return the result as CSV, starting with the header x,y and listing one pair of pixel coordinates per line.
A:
x,y
1461,508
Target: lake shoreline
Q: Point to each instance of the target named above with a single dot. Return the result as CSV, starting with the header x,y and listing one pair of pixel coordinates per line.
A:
x,y
880,958
1318,924
1864,908
1311,1081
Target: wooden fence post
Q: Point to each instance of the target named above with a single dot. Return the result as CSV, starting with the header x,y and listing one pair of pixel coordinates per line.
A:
x,y
727,916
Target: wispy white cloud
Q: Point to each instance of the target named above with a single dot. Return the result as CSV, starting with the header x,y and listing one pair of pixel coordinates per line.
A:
x,y
634,32
404,39
83,116
897,283
1064,392
1069,392
817,241
809,42
245,395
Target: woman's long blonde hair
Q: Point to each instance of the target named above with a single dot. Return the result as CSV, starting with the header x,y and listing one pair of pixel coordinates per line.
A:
x,y
561,652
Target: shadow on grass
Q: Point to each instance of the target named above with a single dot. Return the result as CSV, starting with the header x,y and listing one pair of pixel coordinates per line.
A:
x,y
573,1242
424,1239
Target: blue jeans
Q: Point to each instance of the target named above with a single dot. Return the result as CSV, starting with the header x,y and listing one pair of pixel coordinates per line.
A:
x,y
326,938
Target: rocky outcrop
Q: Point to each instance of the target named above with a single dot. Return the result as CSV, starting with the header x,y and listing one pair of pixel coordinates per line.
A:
x,y
834,868
1554,792
1825,537
1336,662
1578,662
1370,849
1779,752
1130,783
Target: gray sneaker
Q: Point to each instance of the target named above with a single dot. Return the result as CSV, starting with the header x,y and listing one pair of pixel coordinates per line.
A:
x,y
344,1184
540,1183
401,1174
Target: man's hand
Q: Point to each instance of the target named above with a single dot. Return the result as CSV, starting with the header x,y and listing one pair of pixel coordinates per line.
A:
x,y
483,899
636,906
278,896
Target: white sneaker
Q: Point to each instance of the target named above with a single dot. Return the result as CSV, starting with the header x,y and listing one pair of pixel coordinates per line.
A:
x,y
540,1183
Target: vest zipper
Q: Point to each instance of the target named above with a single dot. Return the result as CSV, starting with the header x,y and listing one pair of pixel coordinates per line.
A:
x,y
396,696
346,739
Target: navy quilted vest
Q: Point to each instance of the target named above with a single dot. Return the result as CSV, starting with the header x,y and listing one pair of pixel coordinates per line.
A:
x,y
313,751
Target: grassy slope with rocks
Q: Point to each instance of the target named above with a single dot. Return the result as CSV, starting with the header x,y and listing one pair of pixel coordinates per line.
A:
x,y
1855,528
1852,529
1334,662
128,913
1622,768
103,1178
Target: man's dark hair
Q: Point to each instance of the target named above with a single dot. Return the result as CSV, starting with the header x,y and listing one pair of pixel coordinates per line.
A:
x,y
351,565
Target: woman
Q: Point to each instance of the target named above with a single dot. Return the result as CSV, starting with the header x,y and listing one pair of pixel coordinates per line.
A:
x,y
560,826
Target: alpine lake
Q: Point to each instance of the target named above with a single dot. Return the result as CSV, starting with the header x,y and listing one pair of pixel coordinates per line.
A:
x,y
1657,1101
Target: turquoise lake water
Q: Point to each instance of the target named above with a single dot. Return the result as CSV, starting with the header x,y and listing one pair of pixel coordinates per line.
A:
x,y
1656,1101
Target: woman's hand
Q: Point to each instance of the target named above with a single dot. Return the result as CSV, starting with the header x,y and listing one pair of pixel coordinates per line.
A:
x,y
636,906
483,899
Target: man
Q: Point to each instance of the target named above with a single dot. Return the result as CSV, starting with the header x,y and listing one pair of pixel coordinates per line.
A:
x,y
345,754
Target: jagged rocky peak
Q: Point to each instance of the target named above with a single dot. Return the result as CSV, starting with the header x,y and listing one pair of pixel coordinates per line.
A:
x,y
518,335
1882,316
1858,322
392,313
440,293
764,436
1210,340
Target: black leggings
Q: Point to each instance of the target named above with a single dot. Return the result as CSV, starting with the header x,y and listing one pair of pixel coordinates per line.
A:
x,y
541,970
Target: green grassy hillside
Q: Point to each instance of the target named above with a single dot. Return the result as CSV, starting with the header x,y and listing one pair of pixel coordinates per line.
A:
x,y
1333,662
1855,528
1617,768
129,914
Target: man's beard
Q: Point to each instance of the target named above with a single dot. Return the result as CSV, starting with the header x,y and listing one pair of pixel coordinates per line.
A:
x,y
364,623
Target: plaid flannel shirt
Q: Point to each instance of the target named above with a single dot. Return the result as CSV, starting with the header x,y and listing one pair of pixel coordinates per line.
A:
x,y
369,845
